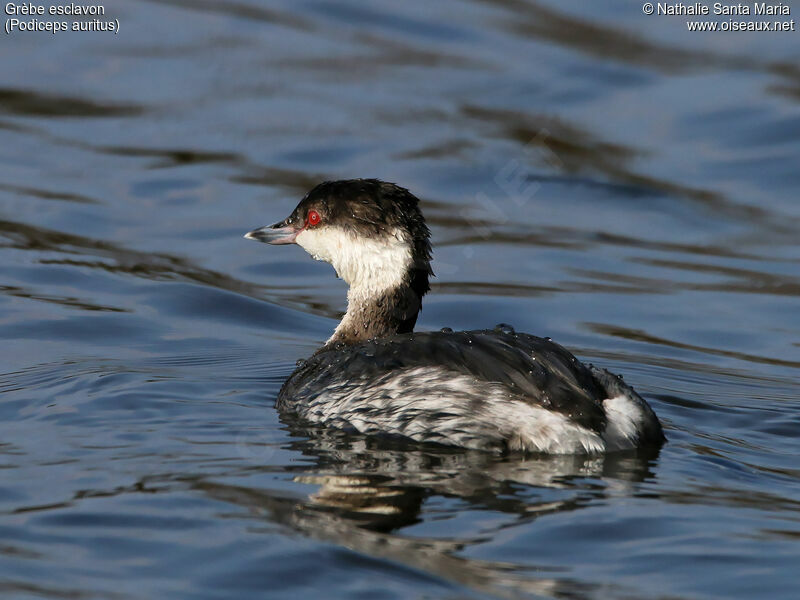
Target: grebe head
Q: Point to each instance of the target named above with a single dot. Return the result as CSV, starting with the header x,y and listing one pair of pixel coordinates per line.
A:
x,y
374,235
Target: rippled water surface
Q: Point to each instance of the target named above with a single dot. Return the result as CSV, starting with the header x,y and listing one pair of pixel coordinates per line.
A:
x,y
589,174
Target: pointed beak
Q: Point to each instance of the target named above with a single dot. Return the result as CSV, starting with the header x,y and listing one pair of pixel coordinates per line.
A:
x,y
279,233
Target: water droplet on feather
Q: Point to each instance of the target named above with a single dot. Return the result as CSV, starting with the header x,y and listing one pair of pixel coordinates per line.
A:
x,y
504,328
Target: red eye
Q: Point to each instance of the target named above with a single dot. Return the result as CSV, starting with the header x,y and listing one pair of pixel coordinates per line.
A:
x,y
313,218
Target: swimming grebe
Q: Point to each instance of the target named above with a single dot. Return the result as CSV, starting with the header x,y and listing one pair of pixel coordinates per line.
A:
x,y
491,389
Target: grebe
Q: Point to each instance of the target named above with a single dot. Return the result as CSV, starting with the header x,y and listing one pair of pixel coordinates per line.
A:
x,y
493,389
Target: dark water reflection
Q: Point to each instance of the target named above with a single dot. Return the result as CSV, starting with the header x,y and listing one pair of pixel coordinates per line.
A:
x,y
589,173
367,492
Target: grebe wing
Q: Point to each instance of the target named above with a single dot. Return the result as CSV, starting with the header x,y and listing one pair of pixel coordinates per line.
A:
x,y
533,369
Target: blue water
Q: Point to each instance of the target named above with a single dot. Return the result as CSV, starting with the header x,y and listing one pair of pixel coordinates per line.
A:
x,y
589,173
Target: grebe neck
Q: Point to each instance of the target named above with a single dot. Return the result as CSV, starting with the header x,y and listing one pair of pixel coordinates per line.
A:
x,y
368,316
387,280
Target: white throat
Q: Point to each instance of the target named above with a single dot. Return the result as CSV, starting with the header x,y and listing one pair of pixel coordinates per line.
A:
x,y
369,265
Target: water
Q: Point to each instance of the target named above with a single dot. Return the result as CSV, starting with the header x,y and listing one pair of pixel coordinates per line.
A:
x,y
590,174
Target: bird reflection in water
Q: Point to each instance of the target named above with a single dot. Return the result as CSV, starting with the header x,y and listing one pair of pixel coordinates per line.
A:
x,y
369,491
